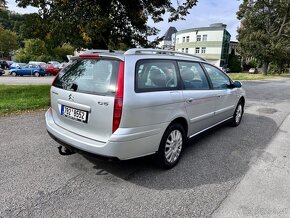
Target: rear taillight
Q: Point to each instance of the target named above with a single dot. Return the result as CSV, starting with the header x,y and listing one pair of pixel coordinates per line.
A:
x,y
52,85
118,104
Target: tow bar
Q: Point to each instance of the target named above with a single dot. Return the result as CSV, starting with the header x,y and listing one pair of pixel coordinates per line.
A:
x,y
65,151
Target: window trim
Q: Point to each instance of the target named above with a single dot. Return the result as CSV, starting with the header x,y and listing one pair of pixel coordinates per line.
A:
x,y
158,89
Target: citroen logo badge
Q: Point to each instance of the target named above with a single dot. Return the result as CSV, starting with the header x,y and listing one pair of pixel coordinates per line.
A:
x,y
70,97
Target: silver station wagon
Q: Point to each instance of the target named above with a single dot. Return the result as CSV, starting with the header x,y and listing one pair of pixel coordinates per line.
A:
x,y
141,102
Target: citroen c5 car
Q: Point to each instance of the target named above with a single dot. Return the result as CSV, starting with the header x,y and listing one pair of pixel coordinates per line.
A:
x,y
141,102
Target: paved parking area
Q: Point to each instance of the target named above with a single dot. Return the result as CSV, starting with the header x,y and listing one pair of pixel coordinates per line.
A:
x,y
35,181
25,80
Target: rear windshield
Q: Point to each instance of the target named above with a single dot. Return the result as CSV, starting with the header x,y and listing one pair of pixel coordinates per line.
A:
x,y
93,76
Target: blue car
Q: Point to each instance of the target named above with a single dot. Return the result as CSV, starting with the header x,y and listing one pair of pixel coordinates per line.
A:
x,y
29,69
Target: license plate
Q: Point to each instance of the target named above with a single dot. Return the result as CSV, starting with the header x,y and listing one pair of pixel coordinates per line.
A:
x,y
74,114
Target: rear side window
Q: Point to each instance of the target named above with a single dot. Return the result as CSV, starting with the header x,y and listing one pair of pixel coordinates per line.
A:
x,y
156,75
93,76
193,76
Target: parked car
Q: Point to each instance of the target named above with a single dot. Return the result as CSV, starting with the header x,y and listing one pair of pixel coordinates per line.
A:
x,y
142,102
52,69
54,62
253,70
4,65
39,63
29,69
64,64
16,65
2,72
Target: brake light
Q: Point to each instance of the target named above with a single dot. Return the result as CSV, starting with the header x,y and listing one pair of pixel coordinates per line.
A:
x,y
52,85
88,56
118,104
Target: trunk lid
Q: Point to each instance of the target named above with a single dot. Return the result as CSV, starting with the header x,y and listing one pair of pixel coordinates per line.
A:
x,y
83,95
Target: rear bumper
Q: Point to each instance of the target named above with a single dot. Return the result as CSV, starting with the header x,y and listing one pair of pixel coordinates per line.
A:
x,y
121,146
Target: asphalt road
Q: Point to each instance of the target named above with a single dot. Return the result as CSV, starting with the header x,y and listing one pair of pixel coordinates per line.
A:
x,y
35,181
25,80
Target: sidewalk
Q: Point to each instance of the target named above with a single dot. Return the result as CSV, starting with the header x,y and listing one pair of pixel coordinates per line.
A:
x,y
265,189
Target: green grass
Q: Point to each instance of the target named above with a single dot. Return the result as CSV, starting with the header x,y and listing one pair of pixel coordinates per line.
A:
x,y
248,76
18,98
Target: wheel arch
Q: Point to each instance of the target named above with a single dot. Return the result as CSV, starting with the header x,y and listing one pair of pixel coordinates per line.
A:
x,y
243,100
182,121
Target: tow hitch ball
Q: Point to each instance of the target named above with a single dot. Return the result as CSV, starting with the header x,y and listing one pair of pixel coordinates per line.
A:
x,y
65,151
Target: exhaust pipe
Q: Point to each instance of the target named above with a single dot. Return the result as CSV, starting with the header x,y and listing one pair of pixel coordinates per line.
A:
x,y
65,151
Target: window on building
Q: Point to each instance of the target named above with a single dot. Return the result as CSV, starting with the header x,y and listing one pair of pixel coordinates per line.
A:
x,y
186,50
182,49
197,50
203,50
198,38
187,38
204,37
183,39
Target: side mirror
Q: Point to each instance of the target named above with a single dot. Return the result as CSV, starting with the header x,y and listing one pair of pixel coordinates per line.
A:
x,y
237,84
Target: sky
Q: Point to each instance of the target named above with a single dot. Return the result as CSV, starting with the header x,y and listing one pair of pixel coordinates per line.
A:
x,y
205,13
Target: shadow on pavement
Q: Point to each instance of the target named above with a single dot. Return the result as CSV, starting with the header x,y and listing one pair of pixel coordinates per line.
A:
x,y
219,155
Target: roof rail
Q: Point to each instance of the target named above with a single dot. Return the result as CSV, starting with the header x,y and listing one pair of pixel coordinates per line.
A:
x,y
160,51
94,51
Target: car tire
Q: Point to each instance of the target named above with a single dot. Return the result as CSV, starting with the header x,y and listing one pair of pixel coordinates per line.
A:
x,y
37,74
238,115
13,73
171,146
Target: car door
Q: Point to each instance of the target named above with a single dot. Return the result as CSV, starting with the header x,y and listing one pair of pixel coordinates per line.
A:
x,y
199,99
227,99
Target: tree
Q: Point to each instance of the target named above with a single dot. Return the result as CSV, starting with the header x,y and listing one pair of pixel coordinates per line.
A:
x,y
34,50
3,5
8,41
105,23
234,63
60,53
264,33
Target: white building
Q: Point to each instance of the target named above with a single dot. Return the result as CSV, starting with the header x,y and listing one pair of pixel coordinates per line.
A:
x,y
168,40
211,43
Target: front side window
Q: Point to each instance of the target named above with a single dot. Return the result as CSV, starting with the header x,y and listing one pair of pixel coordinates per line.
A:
x,y
183,39
197,50
187,38
94,76
182,49
193,76
218,78
204,37
198,38
156,75
203,50
186,50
